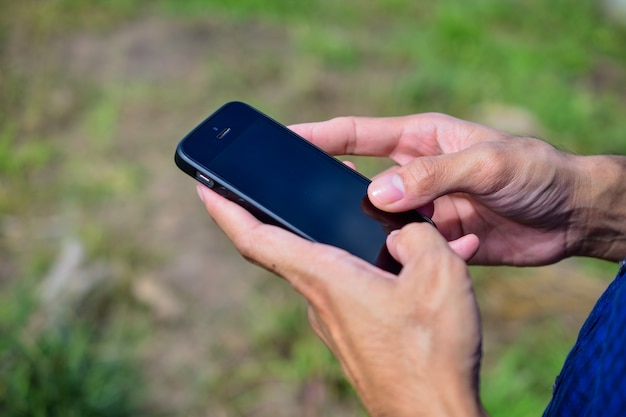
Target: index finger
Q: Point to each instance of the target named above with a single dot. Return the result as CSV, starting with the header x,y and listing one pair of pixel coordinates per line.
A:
x,y
304,264
355,135
401,138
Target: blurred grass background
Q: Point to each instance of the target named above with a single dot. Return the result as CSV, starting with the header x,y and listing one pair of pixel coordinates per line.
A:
x,y
119,297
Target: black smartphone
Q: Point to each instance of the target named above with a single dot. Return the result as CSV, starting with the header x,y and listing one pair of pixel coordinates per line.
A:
x,y
284,180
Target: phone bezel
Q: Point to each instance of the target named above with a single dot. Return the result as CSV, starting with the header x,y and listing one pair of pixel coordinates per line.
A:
x,y
237,117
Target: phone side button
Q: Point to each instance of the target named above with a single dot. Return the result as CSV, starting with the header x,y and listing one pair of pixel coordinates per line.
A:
x,y
205,180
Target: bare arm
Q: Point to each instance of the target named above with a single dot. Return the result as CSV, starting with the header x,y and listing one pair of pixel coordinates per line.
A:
x,y
601,224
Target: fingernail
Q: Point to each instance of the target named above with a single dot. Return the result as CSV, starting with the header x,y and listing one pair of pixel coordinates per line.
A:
x,y
391,237
199,191
387,189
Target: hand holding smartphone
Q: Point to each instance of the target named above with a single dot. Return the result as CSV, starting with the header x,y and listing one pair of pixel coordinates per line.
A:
x,y
284,180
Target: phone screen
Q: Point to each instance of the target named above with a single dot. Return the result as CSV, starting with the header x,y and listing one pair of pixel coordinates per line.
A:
x,y
304,187
307,190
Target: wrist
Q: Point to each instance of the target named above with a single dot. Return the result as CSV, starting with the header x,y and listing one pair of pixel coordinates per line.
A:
x,y
441,398
599,228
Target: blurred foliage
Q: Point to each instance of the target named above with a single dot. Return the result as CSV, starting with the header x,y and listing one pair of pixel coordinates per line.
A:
x,y
519,383
561,61
78,366
67,368
282,352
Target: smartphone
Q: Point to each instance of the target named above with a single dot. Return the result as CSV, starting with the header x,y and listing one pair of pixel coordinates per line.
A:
x,y
284,180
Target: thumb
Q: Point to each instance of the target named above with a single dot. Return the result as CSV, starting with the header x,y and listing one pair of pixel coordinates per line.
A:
x,y
422,180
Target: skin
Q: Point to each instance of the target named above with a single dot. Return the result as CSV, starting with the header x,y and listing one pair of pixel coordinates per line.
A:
x,y
411,344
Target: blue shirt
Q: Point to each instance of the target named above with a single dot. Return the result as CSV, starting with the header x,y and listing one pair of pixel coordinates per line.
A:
x,y
592,382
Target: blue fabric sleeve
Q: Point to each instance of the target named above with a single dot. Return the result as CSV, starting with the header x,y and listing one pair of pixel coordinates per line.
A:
x,y
592,382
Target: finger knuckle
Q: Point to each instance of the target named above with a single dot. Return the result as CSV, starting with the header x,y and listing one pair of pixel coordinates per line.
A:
x,y
422,175
245,244
493,164
348,125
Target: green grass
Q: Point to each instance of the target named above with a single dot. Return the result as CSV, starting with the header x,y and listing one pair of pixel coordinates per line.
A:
x,y
519,383
62,368
561,61
459,55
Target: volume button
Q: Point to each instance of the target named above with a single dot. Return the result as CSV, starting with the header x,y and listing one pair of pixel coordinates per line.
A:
x,y
205,180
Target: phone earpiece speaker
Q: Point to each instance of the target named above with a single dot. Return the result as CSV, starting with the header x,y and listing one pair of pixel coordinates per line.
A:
x,y
223,133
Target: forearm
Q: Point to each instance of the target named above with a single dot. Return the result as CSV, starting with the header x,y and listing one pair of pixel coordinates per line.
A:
x,y
600,225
